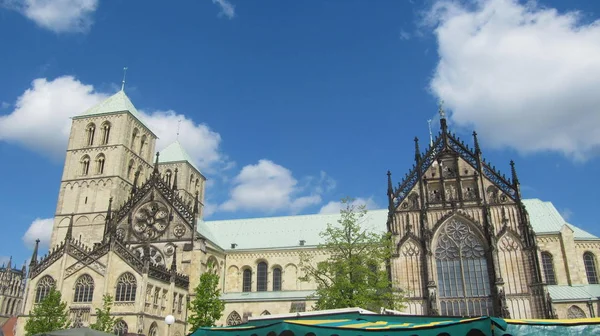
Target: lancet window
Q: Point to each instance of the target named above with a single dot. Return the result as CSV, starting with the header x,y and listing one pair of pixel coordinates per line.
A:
x,y
589,260
261,277
90,131
276,279
247,280
105,132
548,267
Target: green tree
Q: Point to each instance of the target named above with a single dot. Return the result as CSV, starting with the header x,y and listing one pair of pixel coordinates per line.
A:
x,y
105,322
207,307
354,274
50,314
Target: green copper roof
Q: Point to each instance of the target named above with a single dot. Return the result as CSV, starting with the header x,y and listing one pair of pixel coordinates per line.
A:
x,y
545,218
175,153
574,293
119,102
288,231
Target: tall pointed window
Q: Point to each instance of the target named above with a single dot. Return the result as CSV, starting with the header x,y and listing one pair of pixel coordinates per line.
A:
x,y
43,288
85,165
261,277
247,280
126,287
105,132
100,164
84,289
462,274
142,143
589,261
90,131
133,137
548,267
276,279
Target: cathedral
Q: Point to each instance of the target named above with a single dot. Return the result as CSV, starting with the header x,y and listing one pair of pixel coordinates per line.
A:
x,y
129,223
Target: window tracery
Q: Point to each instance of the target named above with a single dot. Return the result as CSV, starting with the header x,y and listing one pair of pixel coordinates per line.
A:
x,y
575,312
126,288
548,267
120,328
234,319
43,288
462,275
84,289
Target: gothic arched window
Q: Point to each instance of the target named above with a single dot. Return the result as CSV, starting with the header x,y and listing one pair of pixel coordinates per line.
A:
x,y
105,132
247,280
100,159
126,287
153,329
85,165
575,312
548,267
90,130
84,289
462,273
261,277
43,288
120,328
589,260
276,279
142,143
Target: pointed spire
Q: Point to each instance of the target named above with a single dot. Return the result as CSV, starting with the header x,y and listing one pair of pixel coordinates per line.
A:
x,y
476,142
175,180
34,256
514,173
9,266
174,262
123,83
442,113
156,163
69,234
390,189
417,151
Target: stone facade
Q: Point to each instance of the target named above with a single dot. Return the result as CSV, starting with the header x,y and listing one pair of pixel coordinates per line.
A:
x,y
12,288
467,243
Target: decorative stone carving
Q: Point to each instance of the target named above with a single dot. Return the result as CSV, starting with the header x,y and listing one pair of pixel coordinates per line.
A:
x,y
179,230
150,220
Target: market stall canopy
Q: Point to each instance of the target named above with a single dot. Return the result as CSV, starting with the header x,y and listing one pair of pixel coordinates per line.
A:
x,y
365,325
586,326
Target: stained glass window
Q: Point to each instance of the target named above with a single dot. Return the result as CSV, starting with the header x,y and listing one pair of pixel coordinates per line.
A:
x,y
462,273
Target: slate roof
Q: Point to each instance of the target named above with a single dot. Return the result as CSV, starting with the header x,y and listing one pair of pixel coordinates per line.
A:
x,y
287,231
119,102
175,153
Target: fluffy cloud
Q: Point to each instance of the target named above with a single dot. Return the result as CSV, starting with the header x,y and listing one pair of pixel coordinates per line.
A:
x,y
335,207
40,121
39,229
269,187
56,15
227,9
524,76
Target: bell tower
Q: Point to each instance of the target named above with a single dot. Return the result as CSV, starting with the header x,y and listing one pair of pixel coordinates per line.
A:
x,y
108,145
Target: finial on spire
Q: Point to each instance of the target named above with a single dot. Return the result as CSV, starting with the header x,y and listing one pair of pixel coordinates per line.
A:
x,y
476,143
441,110
123,83
417,151
156,163
178,127
34,256
390,190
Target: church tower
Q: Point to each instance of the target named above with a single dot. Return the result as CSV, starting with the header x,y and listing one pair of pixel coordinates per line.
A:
x,y
110,149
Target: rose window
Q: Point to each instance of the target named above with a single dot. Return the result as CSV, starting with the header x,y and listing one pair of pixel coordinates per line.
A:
x,y
150,220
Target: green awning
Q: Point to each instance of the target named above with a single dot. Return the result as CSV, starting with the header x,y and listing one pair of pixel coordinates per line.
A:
x,y
370,324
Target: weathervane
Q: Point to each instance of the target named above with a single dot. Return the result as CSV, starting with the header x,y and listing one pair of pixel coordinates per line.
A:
x,y
178,126
123,83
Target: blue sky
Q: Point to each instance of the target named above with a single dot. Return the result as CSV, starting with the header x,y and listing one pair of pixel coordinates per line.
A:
x,y
311,100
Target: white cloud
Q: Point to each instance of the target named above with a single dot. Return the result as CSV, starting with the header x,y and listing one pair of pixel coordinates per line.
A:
x,y
39,229
40,121
334,207
566,214
524,76
58,16
227,9
4,105
269,187
404,35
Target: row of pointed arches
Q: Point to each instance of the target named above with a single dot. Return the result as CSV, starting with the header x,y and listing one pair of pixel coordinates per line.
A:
x,y
90,133
97,167
589,263
83,292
